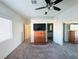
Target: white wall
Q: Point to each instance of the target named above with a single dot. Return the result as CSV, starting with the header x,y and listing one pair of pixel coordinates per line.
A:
x,y
57,29
58,32
9,45
66,32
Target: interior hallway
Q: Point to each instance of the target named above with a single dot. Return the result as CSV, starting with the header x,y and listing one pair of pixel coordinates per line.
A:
x,y
49,51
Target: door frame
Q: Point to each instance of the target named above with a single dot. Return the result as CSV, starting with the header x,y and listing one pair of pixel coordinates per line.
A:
x,y
50,31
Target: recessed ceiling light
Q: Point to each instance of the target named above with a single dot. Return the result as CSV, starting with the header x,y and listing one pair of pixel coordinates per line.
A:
x,y
34,1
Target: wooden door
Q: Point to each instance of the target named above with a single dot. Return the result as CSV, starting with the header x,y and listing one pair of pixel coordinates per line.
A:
x,y
73,37
39,37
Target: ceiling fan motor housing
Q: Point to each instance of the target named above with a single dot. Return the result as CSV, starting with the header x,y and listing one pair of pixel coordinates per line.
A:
x,y
50,4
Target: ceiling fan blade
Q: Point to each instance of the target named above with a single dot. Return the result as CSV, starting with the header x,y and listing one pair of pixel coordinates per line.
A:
x,y
40,8
47,1
56,8
57,1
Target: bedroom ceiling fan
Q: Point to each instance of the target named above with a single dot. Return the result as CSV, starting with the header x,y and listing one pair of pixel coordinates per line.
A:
x,y
50,4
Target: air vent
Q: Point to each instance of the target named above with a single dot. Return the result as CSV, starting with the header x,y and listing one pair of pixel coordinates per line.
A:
x,y
34,1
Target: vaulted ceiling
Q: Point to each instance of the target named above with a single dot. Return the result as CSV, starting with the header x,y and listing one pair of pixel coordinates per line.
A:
x,y
26,8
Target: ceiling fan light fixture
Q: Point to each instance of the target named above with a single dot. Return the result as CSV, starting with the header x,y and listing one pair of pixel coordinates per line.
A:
x,y
45,13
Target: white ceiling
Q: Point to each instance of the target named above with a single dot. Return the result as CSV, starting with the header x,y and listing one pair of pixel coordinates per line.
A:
x,y
26,8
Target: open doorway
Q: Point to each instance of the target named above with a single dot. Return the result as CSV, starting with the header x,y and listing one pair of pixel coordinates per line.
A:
x,y
49,32
27,33
70,33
